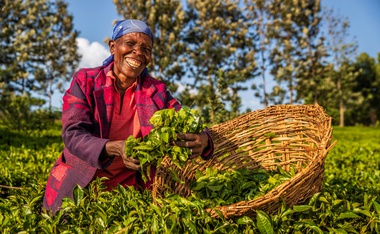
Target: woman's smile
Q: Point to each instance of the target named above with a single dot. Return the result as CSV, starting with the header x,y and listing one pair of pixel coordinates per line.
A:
x,y
133,63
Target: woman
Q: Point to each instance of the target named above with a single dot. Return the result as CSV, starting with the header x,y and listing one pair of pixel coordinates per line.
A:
x,y
102,108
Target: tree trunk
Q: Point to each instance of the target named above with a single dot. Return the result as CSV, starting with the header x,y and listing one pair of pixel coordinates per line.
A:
x,y
341,113
341,105
50,94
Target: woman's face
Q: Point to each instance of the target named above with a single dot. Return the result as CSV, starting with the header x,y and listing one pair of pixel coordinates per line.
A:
x,y
132,53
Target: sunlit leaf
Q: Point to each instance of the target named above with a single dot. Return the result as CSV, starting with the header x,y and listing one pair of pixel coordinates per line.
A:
x,y
263,223
348,215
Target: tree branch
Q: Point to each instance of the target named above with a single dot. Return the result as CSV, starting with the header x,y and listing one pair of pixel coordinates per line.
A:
x,y
9,187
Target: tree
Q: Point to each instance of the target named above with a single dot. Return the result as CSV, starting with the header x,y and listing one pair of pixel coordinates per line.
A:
x,y
261,20
312,79
299,56
38,46
342,53
166,18
367,84
285,34
217,39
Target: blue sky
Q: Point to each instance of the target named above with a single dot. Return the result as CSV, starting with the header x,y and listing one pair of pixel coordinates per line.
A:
x,y
94,19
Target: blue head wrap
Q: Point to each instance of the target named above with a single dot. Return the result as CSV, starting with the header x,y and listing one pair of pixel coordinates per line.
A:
x,y
123,27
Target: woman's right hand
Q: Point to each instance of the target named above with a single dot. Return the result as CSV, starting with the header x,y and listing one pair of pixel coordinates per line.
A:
x,y
117,149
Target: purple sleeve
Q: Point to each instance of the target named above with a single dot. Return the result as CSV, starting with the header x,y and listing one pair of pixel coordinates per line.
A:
x,y
209,150
79,130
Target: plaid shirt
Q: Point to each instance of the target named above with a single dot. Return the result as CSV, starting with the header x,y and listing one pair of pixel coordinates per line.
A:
x,y
86,116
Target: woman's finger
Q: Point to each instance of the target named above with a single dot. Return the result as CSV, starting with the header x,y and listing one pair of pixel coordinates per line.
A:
x,y
132,163
187,136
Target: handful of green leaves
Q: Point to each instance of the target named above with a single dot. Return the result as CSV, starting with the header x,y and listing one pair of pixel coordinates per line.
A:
x,y
159,142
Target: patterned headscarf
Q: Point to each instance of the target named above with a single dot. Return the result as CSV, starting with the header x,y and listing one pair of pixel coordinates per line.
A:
x,y
123,27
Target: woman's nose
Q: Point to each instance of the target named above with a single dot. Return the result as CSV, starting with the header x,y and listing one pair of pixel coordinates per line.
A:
x,y
138,49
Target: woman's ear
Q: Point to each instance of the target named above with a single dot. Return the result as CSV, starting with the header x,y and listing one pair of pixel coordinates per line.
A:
x,y
111,44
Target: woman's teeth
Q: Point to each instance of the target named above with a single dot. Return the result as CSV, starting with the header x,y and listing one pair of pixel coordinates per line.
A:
x,y
133,63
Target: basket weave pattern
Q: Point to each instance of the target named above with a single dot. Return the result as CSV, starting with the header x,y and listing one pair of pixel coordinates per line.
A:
x,y
297,136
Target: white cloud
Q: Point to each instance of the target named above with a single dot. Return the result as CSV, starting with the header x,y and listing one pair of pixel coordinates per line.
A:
x,y
93,54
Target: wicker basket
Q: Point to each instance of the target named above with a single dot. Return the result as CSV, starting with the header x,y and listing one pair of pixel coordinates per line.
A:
x,y
302,140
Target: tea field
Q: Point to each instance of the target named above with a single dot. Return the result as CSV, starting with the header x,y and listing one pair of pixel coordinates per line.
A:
x,y
349,201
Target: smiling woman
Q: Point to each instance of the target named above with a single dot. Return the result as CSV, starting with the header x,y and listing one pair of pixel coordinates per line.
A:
x,y
132,53
106,105
130,48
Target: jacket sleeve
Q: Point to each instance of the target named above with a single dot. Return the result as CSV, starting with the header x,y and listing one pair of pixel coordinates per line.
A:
x,y
80,132
172,102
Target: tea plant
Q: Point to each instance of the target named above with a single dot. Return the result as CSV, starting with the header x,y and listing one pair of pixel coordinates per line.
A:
x,y
159,142
218,188
348,202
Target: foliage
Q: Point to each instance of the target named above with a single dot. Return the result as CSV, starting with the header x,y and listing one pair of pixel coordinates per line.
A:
x,y
159,142
219,188
216,106
367,84
16,113
28,156
257,13
297,60
285,35
343,72
309,54
38,47
348,202
218,37
313,81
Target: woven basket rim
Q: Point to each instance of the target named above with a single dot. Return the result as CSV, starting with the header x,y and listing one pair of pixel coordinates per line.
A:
x,y
310,173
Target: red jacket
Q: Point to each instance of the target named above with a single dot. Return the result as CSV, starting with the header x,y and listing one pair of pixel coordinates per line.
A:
x,y
86,116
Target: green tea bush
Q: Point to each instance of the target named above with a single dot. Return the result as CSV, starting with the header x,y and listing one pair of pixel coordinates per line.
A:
x,y
16,112
348,202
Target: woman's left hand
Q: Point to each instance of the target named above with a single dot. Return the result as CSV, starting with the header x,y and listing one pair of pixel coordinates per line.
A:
x,y
196,142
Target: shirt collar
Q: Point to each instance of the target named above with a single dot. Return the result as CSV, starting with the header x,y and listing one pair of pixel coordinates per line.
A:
x,y
110,74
